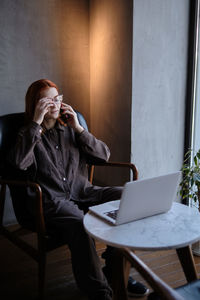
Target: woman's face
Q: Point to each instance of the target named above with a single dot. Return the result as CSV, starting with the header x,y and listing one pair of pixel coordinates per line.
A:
x,y
54,110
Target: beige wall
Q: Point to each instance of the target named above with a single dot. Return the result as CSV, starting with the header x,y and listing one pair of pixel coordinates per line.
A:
x,y
44,39
111,80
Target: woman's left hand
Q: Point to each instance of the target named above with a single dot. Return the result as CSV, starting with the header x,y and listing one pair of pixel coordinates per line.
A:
x,y
71,117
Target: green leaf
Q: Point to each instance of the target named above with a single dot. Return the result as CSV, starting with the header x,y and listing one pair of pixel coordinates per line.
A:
x,y
195,161
191,176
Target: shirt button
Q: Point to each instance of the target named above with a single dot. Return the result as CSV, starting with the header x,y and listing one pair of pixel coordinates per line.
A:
x,y
64,179
57,147
40,131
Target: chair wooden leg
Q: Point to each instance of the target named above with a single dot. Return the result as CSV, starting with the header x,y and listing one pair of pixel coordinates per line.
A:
x,y
41,276
121,269
187,261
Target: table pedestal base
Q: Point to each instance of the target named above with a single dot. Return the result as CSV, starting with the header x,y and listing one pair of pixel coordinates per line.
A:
x,y
187,262
121,270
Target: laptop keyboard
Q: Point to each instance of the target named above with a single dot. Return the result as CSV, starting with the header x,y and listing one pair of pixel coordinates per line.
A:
x,y
112,214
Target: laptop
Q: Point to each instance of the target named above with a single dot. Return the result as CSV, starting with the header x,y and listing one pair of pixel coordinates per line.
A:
x,y
140,199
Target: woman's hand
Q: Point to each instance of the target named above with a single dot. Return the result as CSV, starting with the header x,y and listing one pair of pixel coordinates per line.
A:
x,y
41,109
71,117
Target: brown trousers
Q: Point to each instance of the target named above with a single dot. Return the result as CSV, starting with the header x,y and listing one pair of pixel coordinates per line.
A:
x,y
67,224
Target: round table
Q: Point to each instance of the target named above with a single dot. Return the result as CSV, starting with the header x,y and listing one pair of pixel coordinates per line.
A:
x,y
176,229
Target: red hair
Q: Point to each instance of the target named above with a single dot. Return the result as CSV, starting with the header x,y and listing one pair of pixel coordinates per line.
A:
x,y
33,95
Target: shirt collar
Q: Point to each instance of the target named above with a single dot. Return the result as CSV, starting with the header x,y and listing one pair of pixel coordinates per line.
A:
x,y
59,126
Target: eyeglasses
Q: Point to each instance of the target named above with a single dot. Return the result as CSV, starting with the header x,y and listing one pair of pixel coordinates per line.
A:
x,y
58,99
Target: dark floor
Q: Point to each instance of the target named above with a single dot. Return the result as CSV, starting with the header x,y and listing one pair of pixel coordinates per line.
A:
x,y
18,272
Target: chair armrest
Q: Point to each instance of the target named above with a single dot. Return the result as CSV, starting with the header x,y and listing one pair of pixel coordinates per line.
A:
x,y
131,166
39,209
164,291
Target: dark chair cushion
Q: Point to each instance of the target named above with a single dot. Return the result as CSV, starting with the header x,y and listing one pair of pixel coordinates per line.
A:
x,y
189,291
82,120
9,126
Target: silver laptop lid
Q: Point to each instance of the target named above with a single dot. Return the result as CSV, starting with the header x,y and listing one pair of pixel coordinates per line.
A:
x,y
147,197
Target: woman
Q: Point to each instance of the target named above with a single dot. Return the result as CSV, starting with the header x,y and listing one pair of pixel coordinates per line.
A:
x,y
56,156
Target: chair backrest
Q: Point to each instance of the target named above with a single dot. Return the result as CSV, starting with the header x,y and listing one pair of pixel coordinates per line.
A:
x,y
9,127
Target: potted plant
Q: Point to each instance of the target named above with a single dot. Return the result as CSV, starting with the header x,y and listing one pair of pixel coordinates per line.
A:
x,y
190,184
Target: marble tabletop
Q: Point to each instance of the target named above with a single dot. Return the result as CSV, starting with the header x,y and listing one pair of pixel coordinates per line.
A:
x,y
177,228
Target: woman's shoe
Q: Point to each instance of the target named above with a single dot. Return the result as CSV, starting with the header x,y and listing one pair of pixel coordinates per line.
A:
x,y
136,289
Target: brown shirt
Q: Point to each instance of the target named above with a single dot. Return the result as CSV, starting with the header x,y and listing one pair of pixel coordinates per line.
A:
x,y
57,160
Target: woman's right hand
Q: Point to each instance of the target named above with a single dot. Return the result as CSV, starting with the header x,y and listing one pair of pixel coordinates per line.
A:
x,y
41,109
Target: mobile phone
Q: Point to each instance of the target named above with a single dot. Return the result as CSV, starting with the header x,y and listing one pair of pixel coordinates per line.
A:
x,y
63,116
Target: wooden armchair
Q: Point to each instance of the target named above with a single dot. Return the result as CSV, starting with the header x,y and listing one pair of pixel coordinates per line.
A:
x,y
9,126
162,291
